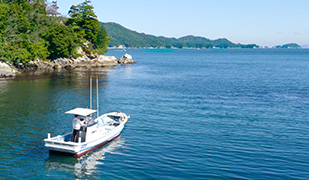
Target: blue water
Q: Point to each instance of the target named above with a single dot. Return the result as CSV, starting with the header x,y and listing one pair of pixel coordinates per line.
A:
x,y
195,114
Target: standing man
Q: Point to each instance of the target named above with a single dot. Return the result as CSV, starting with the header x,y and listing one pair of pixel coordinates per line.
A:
x,y
76,128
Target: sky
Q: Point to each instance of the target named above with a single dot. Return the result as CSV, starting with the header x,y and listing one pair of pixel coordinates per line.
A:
x,y
262,22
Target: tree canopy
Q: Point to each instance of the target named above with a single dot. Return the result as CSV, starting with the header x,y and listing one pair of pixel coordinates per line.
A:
x,y
31,29
87,26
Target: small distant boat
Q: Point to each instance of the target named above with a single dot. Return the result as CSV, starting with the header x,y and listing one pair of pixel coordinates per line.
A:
x,y
95,132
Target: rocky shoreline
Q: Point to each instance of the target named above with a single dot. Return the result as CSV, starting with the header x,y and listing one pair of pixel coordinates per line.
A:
x,y
84,62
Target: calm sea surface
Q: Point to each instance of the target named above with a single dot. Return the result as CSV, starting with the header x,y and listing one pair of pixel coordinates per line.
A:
x,y
195,114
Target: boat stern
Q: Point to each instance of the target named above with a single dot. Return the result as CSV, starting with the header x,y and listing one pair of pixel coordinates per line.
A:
x,y
58,144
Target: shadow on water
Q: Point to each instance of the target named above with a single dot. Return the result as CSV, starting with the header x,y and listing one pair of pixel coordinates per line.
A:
x,y
42,74
43,97
84,166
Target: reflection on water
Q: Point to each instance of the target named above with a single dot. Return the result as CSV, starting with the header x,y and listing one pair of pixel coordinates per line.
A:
x,y
86,165
3,90
76,74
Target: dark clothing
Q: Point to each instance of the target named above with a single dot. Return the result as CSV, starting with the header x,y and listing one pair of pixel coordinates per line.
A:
x,y
75,135
82,133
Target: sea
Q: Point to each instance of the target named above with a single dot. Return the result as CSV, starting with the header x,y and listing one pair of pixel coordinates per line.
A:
x,y
195,114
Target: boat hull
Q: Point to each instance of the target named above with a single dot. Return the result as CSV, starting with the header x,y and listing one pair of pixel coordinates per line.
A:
x,y
81,153
95,147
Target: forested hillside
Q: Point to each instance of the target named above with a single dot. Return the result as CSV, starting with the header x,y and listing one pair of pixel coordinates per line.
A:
x,y
33,29
122,36
289,46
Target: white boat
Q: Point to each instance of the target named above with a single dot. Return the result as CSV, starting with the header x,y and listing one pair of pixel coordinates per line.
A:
x,y
95,132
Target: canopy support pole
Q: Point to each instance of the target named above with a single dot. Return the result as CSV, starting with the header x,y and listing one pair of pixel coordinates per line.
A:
x,y
97,97
90,92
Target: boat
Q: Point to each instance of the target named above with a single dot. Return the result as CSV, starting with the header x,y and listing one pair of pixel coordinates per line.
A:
x,y
94,132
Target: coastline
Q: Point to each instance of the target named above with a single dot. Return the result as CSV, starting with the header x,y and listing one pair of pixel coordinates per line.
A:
x,y
260,47
38,66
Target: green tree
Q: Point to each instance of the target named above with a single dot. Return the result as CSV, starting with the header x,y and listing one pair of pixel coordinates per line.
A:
x,y
102,41
61,41
86,25
29,29
21,23
3,20
84,21
16,54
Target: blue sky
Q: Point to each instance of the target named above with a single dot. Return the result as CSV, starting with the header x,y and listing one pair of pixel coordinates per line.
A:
x,y
263,22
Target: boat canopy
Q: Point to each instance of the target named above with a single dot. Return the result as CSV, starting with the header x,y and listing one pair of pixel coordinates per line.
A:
x,y
81,111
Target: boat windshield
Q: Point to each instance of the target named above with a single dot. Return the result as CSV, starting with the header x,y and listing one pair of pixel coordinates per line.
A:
x,y
91,122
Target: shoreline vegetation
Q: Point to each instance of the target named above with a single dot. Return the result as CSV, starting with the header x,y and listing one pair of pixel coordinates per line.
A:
x,y
32,30
33,36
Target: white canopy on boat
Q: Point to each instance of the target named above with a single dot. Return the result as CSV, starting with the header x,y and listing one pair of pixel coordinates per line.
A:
x,y
81,111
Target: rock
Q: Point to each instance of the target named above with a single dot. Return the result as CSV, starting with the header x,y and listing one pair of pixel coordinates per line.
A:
x,y
7,70
86,62
56,66
78,60
127,56
91,55
103,58
80,50
60,61
104,61
126,59
69,67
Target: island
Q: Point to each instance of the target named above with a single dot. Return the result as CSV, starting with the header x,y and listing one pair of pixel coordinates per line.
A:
x,y
289,46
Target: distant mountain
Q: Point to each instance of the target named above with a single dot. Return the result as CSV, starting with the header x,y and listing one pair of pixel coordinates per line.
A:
x,y
289,46
122,36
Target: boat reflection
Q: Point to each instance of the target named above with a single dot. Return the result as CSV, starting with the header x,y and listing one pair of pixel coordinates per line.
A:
x,y
85,165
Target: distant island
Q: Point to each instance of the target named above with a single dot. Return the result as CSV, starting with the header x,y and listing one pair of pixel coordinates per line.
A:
x,y
289,46
123,37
